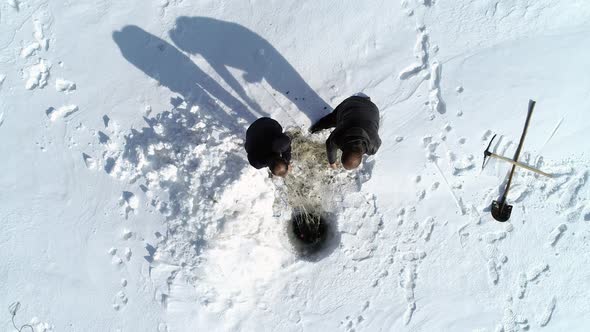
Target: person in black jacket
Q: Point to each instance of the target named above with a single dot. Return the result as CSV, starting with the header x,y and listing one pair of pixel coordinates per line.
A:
x,y
268,146
357,124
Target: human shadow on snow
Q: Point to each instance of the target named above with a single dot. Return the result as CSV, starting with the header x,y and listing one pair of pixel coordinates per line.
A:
x,y
223,45
229,45
176,71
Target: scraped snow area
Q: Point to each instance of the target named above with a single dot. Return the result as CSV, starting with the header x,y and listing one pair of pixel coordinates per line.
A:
x,y
127,202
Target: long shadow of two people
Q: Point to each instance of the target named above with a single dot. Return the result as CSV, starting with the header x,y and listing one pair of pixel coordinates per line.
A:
x,y
223,45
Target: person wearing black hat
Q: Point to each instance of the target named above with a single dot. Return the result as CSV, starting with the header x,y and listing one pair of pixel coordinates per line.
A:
x,y
268,146
356,120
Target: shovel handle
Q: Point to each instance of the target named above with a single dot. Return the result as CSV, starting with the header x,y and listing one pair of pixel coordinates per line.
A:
x,y
520,143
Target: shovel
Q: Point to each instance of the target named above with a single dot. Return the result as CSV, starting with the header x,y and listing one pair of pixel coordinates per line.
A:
x,y
500,209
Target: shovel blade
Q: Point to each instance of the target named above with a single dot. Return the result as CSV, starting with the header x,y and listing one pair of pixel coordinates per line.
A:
x,y
501,211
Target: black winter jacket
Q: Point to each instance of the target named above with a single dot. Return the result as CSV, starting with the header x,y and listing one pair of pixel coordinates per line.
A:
x,y
264,141
357,124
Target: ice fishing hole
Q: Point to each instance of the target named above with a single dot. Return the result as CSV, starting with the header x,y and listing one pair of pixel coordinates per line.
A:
x,y
313,236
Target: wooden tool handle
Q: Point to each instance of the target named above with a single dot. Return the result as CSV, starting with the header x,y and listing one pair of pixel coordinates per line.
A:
x,y
517,154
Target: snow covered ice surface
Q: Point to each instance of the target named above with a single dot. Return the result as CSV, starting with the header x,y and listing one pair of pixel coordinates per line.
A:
x,y
128,204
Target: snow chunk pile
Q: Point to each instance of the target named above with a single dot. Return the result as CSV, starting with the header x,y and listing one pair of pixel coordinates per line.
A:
x,y
38,75
62,112
62,85
190,159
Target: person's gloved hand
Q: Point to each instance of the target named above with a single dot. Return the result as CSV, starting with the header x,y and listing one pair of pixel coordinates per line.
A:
x,y
314,129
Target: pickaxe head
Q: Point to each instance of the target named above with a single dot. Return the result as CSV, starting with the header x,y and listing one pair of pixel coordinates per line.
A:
x,y
487,152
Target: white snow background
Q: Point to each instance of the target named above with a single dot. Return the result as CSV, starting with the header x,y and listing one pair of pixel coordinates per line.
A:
x,y
127,203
